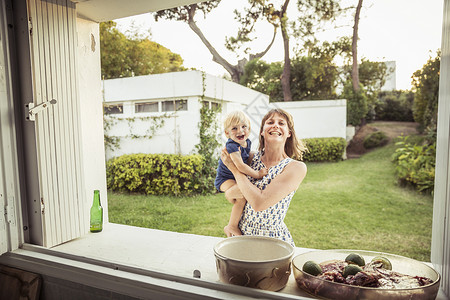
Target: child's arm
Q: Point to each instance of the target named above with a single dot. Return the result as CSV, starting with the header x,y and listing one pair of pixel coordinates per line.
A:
x,y
250,157
244,168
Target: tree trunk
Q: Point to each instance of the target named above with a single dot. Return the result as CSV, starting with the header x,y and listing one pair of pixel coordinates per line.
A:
x,y
261,54
233,70
286,76
236,71
355,72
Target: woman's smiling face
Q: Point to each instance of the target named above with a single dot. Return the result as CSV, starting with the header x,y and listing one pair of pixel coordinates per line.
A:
x,y
276,128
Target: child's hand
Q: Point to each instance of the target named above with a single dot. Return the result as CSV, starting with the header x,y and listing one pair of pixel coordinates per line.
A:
x,y
263,172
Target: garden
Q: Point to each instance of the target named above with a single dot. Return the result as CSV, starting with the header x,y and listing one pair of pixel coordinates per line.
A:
x,y
380,199
345,204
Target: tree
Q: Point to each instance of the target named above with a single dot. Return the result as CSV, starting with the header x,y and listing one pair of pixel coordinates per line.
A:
x,y
314,76
356,104
278,18
355,73
266,10
322,74
395,106
123,56
371,76
426,87
357,100
264,77
187,14
313,12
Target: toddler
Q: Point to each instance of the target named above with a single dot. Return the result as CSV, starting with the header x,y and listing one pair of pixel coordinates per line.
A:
x,y
237,130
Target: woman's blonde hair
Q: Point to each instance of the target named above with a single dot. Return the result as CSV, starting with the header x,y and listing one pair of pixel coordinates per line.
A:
x,y
294,147
234,118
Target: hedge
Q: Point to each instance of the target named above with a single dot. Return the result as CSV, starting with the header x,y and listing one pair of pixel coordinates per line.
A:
x,y
155,174
324,149
174,174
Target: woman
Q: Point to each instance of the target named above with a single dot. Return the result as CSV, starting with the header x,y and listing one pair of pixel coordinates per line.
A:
x,y
268,198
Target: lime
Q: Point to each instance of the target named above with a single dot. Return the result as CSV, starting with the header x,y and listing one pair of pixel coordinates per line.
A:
x,y
311,267
351,270
355,258
385,263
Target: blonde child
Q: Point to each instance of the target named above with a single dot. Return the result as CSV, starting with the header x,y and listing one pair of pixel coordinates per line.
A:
x,y
237,130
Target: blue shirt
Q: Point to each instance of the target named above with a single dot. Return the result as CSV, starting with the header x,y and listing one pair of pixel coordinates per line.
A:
x,y
223,173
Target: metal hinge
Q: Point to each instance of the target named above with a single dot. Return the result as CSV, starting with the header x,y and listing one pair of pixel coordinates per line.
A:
x,y
10,213
42,206
30,26
33,110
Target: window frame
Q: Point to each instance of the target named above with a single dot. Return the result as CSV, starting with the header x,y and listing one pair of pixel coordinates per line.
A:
x,y
107,109
175,108
440,149
143,104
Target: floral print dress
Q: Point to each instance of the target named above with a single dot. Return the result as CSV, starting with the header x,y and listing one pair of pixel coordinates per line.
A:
x,y
269,222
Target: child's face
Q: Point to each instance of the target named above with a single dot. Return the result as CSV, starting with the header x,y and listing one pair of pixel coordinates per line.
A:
x,y
238,133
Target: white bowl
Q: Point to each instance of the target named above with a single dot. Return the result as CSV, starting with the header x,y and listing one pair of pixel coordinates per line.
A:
x,y
254,261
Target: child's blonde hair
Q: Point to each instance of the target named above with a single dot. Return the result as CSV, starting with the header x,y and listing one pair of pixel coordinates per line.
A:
x,y
234,118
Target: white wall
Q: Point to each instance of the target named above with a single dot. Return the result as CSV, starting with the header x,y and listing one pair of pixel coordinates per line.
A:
x,y
176,85
179,135
91,108
180,131
319,118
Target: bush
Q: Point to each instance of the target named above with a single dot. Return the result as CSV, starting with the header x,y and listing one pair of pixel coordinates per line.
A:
x,y
324,149
357,108
375,139
395,106
171,174
156,174
415,164
426,84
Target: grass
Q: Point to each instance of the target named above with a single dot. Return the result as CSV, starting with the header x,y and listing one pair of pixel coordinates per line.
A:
x,y
352,204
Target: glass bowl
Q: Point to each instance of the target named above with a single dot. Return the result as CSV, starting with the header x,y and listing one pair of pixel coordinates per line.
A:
x,y
332,290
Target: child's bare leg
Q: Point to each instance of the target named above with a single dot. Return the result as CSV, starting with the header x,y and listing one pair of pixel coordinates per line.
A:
x,y
233,224
230,188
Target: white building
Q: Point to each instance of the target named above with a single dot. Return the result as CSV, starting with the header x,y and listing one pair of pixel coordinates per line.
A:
x,y
161,113
390,83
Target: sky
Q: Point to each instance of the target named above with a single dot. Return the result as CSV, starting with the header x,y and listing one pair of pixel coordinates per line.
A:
x,y
405,31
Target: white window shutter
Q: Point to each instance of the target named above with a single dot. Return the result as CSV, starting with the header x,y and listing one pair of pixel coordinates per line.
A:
x,y
53,42
9,179
3,235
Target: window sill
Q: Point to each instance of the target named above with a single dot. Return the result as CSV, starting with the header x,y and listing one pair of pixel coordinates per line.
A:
x,y
160,251
137,261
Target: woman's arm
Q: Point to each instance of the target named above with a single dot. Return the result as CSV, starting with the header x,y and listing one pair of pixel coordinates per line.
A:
x,y
244,168
283,184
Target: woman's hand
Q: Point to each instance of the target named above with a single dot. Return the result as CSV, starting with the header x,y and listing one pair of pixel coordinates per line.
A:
x,y
226,159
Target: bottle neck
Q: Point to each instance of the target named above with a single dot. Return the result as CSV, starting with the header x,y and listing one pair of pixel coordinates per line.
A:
x,y
96,198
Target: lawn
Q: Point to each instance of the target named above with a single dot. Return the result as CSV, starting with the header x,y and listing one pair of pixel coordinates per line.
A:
x,y
352,204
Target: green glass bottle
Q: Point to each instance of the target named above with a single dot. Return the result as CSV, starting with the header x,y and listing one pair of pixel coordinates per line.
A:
x,y
96,213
